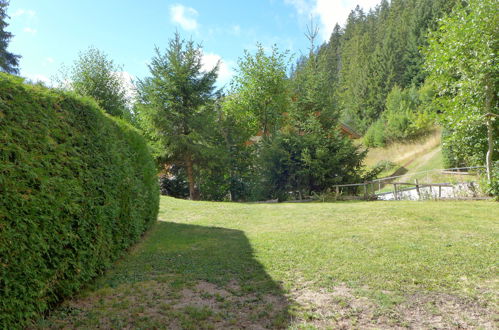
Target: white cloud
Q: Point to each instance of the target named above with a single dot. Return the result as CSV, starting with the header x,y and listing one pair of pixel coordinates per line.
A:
x,y
225,71
184,16
329,12
127,79
21,12
48,61
30,30
39,78
303,7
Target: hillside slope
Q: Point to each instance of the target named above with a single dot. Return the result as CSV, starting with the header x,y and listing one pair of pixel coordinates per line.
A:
x,y
419,160
404,153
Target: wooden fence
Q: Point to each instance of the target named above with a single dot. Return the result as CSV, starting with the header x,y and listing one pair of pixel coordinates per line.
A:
x,y
367,190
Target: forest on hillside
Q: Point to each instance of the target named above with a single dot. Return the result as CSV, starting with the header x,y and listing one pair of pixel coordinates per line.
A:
x,y
393,73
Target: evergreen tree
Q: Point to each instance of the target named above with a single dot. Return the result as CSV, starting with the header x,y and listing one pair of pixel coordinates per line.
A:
x,y
373,53
175,106
311,88
8,62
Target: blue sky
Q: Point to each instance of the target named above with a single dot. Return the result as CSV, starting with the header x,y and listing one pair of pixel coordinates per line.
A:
x,y
49,33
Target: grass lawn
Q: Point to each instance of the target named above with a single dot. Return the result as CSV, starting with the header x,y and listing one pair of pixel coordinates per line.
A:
x,y
305,265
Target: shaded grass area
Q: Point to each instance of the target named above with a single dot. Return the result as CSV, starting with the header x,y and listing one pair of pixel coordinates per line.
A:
x,y
174,279
355,264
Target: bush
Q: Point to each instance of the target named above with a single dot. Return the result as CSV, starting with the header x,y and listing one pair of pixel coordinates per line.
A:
x,y
308,162
77,188
375,135
408,115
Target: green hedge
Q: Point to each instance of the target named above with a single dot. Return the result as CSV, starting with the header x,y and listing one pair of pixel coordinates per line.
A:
x,y
77,188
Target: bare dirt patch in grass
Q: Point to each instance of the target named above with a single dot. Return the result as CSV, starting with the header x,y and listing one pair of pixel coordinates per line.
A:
x,y
446,311
337,308
166,305
342,308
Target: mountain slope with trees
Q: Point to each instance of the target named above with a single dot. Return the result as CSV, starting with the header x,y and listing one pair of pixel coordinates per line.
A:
x,y
376,52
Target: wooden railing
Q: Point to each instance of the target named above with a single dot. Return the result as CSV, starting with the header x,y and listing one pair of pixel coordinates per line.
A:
x,y
367,190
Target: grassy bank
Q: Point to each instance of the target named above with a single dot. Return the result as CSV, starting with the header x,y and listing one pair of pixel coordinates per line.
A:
x,y
357,264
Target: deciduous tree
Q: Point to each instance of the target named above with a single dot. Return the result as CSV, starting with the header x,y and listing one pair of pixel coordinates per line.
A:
x,y
260,89
461,59
94,74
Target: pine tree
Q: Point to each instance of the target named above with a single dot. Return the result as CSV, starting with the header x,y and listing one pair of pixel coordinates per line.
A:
x,y
8,62
175,105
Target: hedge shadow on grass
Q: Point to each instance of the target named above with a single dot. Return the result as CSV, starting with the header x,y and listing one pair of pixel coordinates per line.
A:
x,y
200,267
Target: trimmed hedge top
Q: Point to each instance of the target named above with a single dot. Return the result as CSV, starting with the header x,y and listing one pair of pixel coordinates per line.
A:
x,y
77,188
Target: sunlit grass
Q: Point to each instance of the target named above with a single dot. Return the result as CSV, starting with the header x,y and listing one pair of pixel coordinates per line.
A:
x,y
403,245
404,153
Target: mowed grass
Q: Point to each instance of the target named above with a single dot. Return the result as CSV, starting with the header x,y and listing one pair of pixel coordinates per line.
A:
x,y
346,264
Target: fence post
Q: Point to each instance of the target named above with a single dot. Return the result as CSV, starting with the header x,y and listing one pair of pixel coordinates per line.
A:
x,y
365,190
395,191
439,191
417,189
337,192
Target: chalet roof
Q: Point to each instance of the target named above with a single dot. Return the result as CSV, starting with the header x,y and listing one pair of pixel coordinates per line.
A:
x,y
349,131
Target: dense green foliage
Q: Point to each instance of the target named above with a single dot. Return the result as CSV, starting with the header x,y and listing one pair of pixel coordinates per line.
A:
x,y
96,76
462,61
8,61
260,89
174,105
227,147
77,188
394,72
281,135
300,164
408,115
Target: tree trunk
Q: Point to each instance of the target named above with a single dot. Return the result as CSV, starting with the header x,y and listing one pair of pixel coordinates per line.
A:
x,y
190,177
490,103
490,139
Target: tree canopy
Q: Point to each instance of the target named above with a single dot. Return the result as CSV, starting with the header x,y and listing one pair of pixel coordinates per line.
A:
x,y
94,74
260,88
461,59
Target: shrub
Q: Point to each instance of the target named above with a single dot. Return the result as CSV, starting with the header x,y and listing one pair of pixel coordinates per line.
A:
x,y
77,188
308,161
408,115
375,135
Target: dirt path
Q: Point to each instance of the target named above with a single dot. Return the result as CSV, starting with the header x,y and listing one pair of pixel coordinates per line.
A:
x,y
421,162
